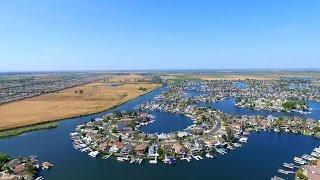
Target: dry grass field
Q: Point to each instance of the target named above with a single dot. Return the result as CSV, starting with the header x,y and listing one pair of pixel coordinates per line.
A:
x,y
71,102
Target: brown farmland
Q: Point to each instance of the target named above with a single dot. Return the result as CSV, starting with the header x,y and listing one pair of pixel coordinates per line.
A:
x,y
86,99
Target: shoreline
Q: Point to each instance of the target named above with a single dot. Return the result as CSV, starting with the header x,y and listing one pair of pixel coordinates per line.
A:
x,y
7,133
20,130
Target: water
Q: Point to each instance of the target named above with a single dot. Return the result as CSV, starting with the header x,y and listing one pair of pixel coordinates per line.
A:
x,y
260,158
166,122
228,106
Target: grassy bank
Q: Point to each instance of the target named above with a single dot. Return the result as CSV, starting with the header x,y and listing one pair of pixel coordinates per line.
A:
x,y
18,131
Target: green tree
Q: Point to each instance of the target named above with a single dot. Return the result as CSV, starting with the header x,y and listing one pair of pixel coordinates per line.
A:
x,y
114,130
117,114
161,152
4,158
30,169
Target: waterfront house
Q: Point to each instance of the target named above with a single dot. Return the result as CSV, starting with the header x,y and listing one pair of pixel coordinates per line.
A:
x,y
162,136
13,163
152,137
179,149
127,148
168,148
119,145
113,149
199,143
192,148
104,147
182,134
140,149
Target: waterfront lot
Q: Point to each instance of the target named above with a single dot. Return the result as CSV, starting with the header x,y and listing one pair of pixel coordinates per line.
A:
x,y
86,99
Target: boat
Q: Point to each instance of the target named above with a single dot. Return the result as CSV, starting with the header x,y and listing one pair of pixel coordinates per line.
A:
x,y
315,154
173,161
209,155
243,139
288,165
308,157
121,159
221,151
153,161
230,147
237,145
94,153
283,171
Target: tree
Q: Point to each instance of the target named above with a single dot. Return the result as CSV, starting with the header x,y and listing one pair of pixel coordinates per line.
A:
x,y
229,136
161,152
4,158
114,130
300,175
30,169
100,131
117,114
128,112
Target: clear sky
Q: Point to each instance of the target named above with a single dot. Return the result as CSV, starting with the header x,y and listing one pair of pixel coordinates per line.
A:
x,y
158,34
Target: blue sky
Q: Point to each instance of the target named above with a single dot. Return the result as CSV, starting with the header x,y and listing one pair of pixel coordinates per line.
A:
x,y
165,34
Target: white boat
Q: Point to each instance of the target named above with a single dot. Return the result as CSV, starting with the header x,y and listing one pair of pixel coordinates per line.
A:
x,y
221,151
317,150
243,139
283,171
237,145
230,147
209,155
308,157
94,153
276,130
315,154
288,165
121,159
